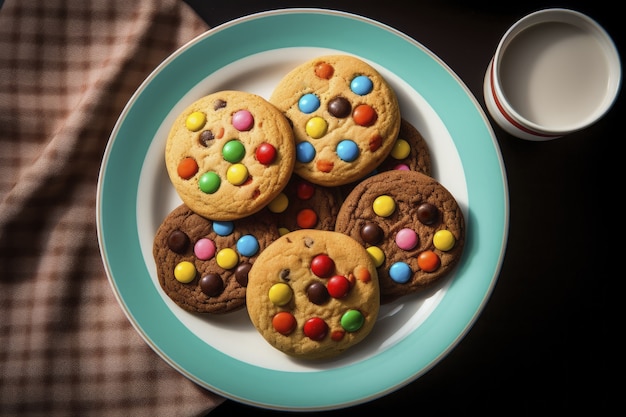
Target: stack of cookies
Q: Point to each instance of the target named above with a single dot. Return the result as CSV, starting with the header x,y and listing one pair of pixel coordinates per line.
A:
x,y
311,208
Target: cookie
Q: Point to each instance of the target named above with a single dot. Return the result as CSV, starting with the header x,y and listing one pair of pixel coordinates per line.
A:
x,y
345,117
202,265
313,294
229,154
411,225
304,205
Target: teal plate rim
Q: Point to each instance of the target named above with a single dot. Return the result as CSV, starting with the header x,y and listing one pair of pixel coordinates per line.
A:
x,y
485,177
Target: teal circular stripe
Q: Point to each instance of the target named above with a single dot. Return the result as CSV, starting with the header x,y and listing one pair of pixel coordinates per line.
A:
x,y
487,221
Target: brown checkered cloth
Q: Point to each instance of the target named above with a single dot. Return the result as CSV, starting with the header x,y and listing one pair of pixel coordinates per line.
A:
x,y
67,68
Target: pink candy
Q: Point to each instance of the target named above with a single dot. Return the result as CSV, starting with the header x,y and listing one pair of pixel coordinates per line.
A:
x,y
243,120
204,249
406,239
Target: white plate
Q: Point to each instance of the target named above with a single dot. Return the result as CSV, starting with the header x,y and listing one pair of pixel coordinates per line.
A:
x,y
225,353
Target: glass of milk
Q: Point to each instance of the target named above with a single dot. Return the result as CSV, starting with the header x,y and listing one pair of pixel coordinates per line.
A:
x,y
554,72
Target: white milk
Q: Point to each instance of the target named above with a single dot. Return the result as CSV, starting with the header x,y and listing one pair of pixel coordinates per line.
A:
x,y
557,83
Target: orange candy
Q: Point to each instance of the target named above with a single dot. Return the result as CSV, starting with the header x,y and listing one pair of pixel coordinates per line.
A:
x,y
324,71
284,322
362,273
364,115
306,219
428,261
187,168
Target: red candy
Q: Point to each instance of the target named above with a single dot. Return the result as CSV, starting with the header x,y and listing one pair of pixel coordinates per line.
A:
x,y
338,286
315,329
305,190
284,322
322,266
337,335
265,153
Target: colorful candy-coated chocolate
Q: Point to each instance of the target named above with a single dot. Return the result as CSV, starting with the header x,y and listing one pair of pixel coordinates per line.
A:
x,y
265,153
204,249
406,239
237,174
352,320
428,261
306,218
316,127
400,272
209,182
195,121
361,85
279,204
347,150
227,258
243,120
284,322
338,286
247,245
308,103
444,240
377,254
364,115
211,285
233,151
322,266
187,168
305,152
384,206
280,294
223,228
315,328
185,272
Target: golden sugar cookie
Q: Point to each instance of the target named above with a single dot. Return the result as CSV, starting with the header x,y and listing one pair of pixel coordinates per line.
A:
x,y
345,117
313,294
229,154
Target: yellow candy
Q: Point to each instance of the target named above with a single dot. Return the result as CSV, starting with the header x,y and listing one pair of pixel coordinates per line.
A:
x,y
227,258
283,231
280,294
278,204
185,272
401,149
237,174
444,240
377,254
195,121
384,206
316,127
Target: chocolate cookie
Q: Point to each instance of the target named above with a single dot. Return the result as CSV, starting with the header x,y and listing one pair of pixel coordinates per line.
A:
x,y
409,152
411,225
229,154
313,294
304,205
345,118
202,265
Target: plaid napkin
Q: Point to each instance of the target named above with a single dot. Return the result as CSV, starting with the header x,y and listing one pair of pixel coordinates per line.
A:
x,y
67,68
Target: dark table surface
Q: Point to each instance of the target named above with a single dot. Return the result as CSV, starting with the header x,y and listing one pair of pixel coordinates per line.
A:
x,y
545,340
